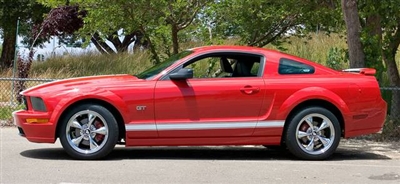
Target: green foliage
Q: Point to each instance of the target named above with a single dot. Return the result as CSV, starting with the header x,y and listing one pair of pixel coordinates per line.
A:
x,y
6,112
336,57
154,19
260,22
254,22
29,12
381,37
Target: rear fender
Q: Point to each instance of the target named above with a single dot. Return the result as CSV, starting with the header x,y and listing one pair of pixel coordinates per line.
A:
x,y
312,93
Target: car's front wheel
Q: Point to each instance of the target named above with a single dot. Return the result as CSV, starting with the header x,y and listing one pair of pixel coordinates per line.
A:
x,y
88,131
313,133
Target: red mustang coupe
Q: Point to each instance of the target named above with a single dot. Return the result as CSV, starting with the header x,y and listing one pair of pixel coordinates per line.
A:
x,y
214,95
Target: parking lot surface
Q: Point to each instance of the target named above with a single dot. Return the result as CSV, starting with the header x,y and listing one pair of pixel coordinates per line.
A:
x,y
356,161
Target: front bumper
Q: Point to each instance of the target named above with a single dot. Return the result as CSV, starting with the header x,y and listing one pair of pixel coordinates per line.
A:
x,y
39,131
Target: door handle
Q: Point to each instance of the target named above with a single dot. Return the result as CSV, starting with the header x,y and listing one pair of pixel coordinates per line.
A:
x,y
249,90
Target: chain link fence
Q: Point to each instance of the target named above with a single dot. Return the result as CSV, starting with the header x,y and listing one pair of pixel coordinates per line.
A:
x,y
10,100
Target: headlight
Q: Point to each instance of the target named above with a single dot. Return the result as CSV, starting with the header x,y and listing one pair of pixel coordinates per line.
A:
x,y
38,104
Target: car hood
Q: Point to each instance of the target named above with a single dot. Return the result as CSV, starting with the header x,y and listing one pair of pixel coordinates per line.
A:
x,y
81,83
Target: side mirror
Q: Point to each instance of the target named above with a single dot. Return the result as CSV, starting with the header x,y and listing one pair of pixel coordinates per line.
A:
x,y
182,74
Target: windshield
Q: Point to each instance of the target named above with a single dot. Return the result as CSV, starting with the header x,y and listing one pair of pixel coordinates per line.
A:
x,y
156,69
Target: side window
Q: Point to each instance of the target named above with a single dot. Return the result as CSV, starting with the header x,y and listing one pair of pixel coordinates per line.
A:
x,y
206,68
223,65
287,66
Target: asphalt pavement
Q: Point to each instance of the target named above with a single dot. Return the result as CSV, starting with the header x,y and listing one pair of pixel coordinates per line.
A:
x,y
356,161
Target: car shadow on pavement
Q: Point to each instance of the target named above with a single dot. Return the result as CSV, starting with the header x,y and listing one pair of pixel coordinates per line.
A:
x,y
202,153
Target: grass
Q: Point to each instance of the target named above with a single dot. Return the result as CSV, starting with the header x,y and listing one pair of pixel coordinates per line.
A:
x,y
6,113
315,49
91,64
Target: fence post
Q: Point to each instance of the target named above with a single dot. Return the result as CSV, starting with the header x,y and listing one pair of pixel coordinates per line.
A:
x,y
14,64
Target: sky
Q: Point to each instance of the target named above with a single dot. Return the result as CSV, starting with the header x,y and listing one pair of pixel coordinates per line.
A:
x,y
53,48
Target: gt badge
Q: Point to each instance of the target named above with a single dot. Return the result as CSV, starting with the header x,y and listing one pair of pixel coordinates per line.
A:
x,y
140,108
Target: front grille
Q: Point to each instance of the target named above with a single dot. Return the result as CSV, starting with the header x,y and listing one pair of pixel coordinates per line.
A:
x,y
21,132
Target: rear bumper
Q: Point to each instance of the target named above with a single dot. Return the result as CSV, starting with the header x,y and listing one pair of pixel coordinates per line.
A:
x,y
366,122
39,132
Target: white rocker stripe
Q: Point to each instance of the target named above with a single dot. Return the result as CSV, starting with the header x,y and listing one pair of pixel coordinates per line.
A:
x,y
144,127
270,124
205,126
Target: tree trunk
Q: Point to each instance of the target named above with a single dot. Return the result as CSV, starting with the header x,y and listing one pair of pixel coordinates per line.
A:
x,y
353,27
394,80
389,56
7,54
101,45
175,43
128,39
97,45
120,46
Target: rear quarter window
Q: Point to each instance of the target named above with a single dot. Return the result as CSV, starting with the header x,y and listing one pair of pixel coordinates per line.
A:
x,y
288,66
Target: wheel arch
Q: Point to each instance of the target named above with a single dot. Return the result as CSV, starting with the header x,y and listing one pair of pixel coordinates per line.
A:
x,y
314,96
117,114
317,103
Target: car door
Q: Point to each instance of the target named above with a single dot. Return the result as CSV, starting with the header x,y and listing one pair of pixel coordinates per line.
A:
x,y
210,106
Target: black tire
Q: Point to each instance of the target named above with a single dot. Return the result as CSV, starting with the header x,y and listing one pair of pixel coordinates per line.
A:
x,y
311,144
76,140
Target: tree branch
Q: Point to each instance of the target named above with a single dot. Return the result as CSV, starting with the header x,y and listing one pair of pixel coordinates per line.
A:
x,y
264,39
102,44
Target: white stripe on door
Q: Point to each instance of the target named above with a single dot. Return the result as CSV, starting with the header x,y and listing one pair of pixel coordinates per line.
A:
x,y
205,126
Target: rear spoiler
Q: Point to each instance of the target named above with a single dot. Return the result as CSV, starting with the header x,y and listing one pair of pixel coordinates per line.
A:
x,y
364,71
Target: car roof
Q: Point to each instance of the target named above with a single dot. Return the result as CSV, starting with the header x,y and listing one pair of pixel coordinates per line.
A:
x,y
238,48
229,47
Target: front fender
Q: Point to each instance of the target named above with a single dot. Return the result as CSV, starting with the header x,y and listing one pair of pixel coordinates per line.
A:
x,y
103,95
312,93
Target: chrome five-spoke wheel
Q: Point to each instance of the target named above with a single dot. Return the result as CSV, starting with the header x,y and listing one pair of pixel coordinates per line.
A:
x,y
88,131
313,133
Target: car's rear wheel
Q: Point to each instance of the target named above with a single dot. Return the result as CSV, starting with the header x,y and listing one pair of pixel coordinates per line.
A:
x,y
88,132
313,133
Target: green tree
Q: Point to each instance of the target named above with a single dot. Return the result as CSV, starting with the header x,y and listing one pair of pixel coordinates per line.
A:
x,y
29,12
153,24
382,39
101,23
261,22
353,29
